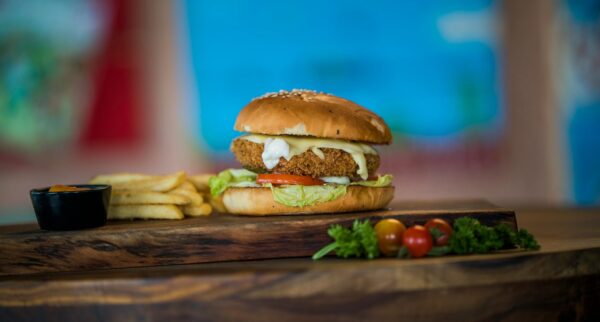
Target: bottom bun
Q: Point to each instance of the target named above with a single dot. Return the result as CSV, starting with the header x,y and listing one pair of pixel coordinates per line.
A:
x,y
259,202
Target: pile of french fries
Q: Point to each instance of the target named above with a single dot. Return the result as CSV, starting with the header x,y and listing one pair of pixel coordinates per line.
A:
x,y
141,196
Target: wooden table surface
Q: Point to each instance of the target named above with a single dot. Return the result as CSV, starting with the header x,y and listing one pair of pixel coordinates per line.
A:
x,y
25,249
561,282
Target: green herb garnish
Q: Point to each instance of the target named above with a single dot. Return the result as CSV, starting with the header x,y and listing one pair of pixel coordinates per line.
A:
x,y
526,240
470,237
359,241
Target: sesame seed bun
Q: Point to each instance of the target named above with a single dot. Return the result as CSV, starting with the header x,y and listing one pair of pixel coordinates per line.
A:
x,y
308,113
260,202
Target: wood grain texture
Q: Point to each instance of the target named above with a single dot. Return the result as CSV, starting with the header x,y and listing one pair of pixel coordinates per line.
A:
x,y
26,249
573,299
561,282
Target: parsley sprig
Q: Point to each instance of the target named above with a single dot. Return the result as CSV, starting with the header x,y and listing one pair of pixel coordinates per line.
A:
x,y
471,237
358,241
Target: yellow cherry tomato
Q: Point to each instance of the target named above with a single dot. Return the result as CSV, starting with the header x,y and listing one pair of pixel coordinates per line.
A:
x,y
389,236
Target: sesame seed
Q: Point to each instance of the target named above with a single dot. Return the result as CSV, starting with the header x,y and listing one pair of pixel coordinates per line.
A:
x,y
302,93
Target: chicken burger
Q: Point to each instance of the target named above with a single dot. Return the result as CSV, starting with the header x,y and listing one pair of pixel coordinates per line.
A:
x,y
305,152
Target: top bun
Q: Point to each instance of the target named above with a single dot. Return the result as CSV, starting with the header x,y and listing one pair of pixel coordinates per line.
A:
x,y
308,113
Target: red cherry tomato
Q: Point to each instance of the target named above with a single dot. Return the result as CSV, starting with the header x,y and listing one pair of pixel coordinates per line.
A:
x,y
442,231
417,240
389,236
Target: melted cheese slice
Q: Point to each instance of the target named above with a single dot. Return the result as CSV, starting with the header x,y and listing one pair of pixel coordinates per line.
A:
x,y
287,147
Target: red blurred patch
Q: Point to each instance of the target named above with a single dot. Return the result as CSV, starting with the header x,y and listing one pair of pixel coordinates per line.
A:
x,y
115,117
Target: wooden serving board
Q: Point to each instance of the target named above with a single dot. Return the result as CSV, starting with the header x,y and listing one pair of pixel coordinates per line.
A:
x,y
25,249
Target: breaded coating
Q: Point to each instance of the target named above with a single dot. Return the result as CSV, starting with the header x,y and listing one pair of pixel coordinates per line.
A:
x,y
336,162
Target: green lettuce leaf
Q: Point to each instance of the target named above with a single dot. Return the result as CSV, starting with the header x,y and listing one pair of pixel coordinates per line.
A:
x,y
382,181
301,196
289,195
231,178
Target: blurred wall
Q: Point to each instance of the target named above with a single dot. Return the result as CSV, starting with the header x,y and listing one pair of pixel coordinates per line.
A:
x,y
529,159
146,49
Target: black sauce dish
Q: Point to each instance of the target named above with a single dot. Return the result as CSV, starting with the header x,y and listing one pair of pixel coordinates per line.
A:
x,y
71,210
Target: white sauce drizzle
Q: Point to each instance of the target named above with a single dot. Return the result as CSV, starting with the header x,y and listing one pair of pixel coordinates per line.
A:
x,y
338,180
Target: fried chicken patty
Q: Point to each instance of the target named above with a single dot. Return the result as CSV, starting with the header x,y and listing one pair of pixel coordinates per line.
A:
x,y
336,162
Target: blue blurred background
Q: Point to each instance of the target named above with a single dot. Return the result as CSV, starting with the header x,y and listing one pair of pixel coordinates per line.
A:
x,y
430,68
486,99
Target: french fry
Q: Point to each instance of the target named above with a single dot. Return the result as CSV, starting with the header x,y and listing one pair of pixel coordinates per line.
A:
x,y
197,211
141,196
153,183
217,204
187,185
145,212
128,197
194,197
200,181
188,190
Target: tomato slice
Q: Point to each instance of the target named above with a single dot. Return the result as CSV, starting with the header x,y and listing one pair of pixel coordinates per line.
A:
x,y
277,178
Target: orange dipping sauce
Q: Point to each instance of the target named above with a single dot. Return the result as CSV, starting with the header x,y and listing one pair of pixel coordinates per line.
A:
x,y
64,188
